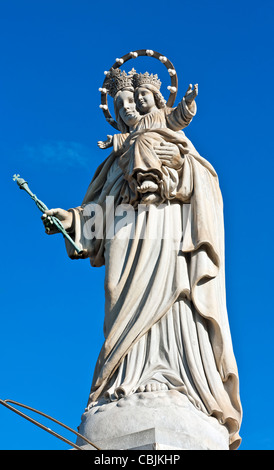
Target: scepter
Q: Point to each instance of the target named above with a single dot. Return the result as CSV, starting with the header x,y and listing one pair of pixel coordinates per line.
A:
x,y
42,207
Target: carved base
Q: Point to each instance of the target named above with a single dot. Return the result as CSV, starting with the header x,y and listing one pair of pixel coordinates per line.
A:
x,y
149,421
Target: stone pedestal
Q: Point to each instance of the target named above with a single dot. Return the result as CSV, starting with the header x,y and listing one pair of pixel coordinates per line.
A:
x,y
163,420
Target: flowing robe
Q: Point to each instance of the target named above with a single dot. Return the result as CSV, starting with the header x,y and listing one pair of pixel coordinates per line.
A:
x,y
165,303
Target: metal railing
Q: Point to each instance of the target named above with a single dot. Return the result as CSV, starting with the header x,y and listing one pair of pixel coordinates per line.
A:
x,y
7,404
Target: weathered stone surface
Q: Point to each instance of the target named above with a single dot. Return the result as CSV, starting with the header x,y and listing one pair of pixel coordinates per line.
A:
x,y
167,360
151,421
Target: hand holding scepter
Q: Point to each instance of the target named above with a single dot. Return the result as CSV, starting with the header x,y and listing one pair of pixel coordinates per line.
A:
x,y
49,219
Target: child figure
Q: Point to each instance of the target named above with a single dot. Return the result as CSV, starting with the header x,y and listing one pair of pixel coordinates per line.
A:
x,y
142,167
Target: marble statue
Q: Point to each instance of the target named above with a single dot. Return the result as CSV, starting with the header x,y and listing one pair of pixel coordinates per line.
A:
x,y
166,328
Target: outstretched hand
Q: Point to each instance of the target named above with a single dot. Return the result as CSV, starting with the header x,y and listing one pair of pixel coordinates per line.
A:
x,y
105,144
191,94
64,216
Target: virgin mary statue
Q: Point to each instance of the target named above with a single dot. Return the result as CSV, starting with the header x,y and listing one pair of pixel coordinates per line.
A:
x,y
166,325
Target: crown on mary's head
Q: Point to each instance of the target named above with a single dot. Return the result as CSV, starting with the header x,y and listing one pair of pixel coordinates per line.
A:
x,y
117,80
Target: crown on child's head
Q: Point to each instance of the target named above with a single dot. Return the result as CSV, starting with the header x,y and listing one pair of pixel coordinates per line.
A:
x,y
140,79
117,80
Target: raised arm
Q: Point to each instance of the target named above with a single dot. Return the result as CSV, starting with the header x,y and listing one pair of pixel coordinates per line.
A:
x,y
190,96
180,117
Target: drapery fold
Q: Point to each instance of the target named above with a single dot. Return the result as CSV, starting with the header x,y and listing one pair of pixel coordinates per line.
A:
x,y
151,279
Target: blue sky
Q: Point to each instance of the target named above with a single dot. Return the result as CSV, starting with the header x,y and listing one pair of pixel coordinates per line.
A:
x,y
53,55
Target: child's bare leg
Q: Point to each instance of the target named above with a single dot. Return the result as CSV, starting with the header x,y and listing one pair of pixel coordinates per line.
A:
x,y
151,198
148,186
147,183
